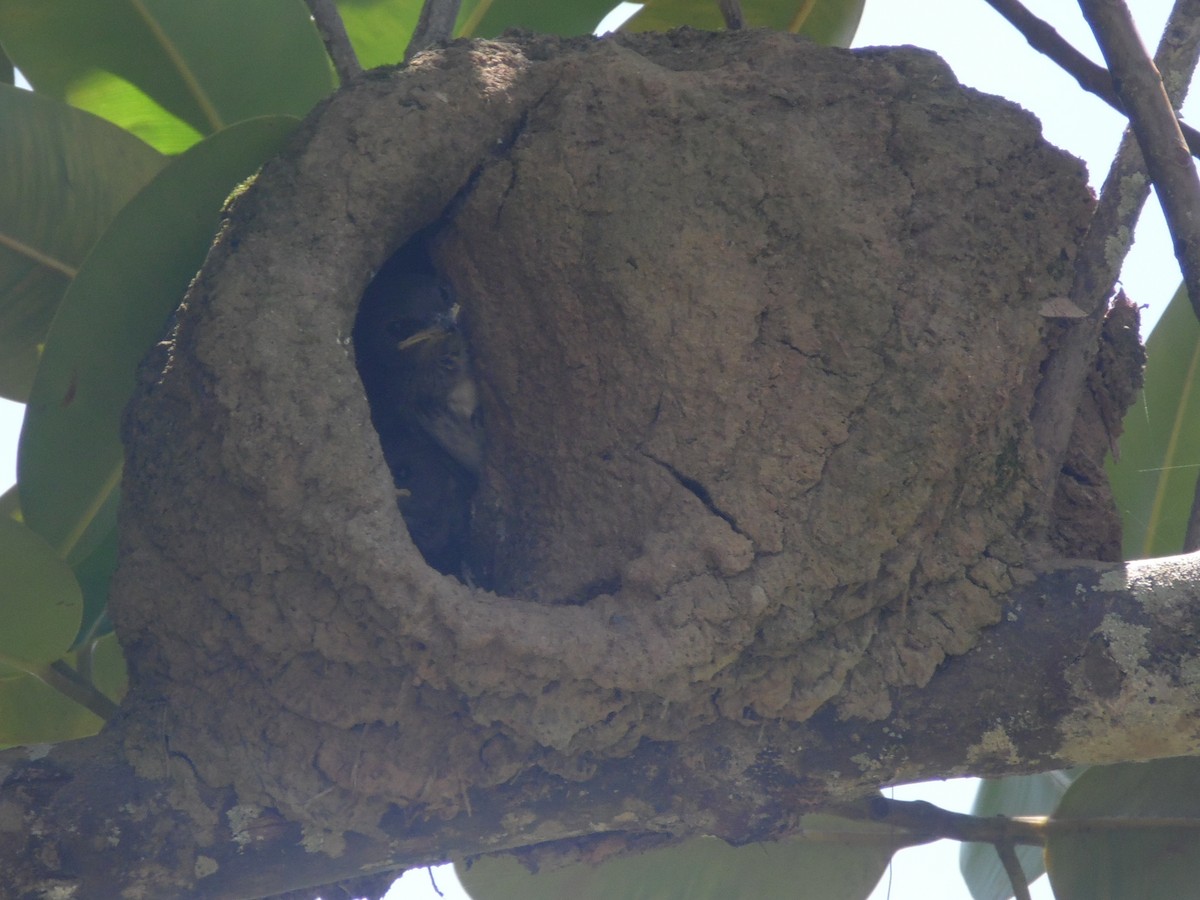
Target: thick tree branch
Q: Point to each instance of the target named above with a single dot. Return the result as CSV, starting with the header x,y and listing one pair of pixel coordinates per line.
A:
x,y
337,43
1092,78
1108,240
1152,116
1038,692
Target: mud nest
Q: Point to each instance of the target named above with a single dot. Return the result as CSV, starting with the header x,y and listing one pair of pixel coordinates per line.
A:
x,y
756,326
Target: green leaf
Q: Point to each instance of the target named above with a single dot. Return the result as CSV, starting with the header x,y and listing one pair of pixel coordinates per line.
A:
x,y
830,22
1155,479
125,104
33,713
66,173
41,605
379,29
69,458
835,859
1144,860
487,18
166,70
7,73
1020,795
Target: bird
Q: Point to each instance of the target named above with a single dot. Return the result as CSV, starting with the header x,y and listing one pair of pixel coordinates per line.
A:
x,y
439,387
412,355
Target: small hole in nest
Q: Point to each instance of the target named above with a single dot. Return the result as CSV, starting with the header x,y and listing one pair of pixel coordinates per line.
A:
x,y
412,356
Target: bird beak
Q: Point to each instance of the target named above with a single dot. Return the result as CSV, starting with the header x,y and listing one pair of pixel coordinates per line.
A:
x,y
433,333
443,324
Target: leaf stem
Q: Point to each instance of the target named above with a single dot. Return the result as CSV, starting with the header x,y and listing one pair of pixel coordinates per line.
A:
x,y
71,684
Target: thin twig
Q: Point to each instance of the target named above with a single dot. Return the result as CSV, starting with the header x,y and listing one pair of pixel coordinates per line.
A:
x,y
435,26
1091,77
1152,116
933,822
1012,868
1099,260
433,882
1191,537
731,12
337,43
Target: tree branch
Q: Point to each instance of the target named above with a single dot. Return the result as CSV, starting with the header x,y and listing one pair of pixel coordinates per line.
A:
x,y
1092,78
337,43
1038,692
435,26
731,12
1103,251
1191,537
1152,115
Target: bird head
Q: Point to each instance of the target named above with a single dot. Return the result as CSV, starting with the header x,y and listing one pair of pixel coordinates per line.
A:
x,y
416,364
443,324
